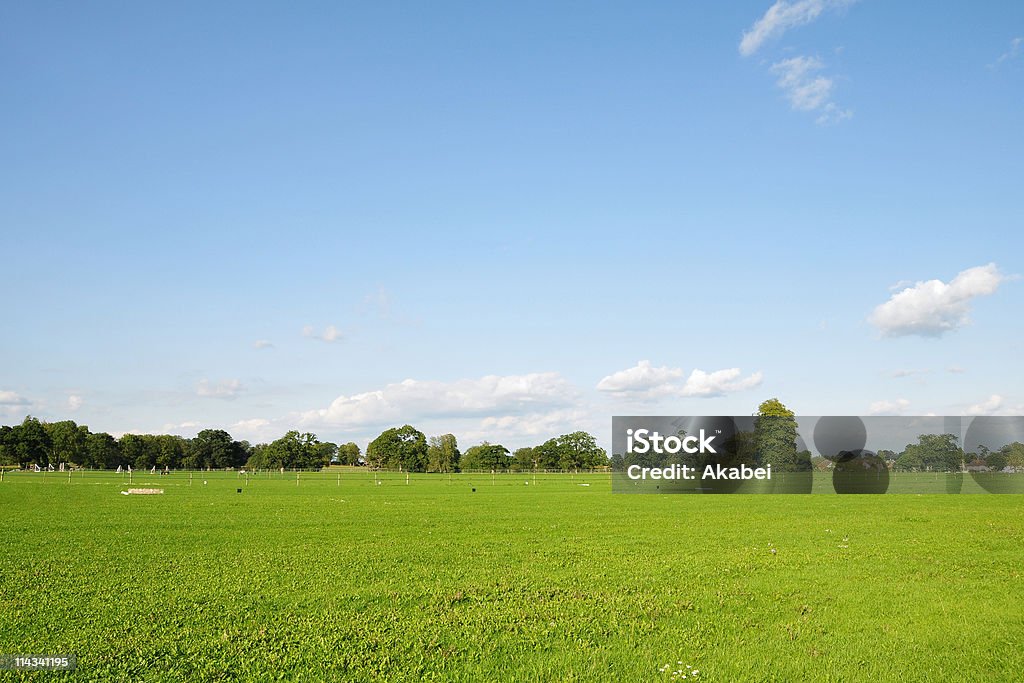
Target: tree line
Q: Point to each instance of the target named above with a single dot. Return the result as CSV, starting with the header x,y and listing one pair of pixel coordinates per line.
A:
x,y
408,449
34,442
773,441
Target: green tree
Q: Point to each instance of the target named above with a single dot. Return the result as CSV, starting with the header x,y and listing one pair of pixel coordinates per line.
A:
x,y
548,455
486,456
67,441
578,450
136,451
1014,454
101,451
170,451
443,453
997,460
326,452
294,450
523,459
932,452
775,437
214,449
349,453
402,448
30,443
8,456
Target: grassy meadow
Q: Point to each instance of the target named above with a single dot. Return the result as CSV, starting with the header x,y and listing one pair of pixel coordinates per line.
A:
x,y
337,577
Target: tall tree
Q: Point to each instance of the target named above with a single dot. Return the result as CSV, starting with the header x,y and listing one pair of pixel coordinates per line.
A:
x,y
524,459
775,437
136,451
349,453
443,453
214,449
101,451
31,443
170,451
486,456
8,455
932,452
580,450
67,441
293,450
402,448
326,452
569,452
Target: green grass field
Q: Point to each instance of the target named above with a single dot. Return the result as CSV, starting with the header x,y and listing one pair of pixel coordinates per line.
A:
x,y
548,581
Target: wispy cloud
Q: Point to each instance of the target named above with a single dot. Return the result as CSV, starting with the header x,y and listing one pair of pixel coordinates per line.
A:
x,y
262,344
994,405
932,308
492,396
646,382
186,428
783,16
897,407
540,425
329,334
378,302
807,90
907,372
1011,53
256,430
227,389
12,403
75,402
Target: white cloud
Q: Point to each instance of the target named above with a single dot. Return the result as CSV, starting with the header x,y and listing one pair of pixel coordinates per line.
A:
x,y
642,379
645,381
933,307
808,90
10,398
74,402
412,399
783,16
540,426
255,430
262,344
228,388
955,369
719,382
986,407
187,428
1011,53
833,113
994,405
330,333
897,407
12,403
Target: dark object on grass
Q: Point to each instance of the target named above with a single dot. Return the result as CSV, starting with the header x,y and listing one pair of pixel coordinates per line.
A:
x,y
239,490
474,489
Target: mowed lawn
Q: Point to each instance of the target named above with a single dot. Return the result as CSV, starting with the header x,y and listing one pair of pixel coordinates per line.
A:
x,y
550,580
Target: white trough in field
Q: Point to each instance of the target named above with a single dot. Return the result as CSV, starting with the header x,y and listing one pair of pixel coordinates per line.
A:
x,y
142,492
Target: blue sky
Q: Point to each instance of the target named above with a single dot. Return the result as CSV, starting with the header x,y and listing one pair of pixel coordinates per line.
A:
x,y
510,221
